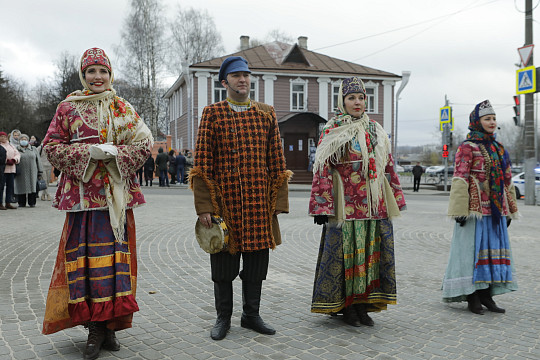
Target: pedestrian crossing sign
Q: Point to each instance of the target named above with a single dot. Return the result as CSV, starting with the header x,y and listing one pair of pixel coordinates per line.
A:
x,y
526,80
445,116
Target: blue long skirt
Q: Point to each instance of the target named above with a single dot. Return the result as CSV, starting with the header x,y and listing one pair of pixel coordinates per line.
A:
x,y
480,258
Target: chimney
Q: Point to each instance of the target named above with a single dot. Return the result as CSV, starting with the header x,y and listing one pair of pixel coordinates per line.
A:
x,y
244,42
302,42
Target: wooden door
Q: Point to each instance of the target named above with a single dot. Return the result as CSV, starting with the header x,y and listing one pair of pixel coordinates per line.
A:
x,y
296,150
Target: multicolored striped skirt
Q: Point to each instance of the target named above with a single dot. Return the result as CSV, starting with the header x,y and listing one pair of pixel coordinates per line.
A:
x,y
94,278
355,265
480,258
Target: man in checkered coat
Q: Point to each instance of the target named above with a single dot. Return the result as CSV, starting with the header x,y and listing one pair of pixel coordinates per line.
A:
x,y
240,175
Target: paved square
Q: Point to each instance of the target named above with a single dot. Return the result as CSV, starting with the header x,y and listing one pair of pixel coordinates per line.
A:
x,y
175,293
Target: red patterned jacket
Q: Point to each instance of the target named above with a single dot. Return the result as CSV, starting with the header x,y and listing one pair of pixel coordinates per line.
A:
x,y
67,144
239,173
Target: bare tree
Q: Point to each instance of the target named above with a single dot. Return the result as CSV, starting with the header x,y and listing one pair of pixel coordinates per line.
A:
x,y
272,35
194,38
278,35
142,57
67,75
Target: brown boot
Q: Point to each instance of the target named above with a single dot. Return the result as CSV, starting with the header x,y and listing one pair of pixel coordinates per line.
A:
x,y
2,207
9,206
96,337
111,342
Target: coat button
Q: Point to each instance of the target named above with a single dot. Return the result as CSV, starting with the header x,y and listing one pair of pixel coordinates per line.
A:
x,y
234,151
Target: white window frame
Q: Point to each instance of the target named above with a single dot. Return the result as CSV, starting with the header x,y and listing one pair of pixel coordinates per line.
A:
x,y
334,85
180,101
372,98
254,88
214,88
299,81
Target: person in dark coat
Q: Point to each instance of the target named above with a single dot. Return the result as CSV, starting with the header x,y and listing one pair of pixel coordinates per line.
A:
x,y
417,172
149,170
180,162
172,166
161,163
3,158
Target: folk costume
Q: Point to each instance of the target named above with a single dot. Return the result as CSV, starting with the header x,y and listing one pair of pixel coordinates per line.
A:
x,y
356,190
94,279
482,200
239,174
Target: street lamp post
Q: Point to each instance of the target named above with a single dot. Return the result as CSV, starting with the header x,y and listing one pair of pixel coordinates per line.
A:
x,y
405,75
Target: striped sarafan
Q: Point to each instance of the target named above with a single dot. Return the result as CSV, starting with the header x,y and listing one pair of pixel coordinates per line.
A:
x,y
239,173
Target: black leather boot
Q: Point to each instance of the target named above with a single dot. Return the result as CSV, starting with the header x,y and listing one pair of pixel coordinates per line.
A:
x,y
487,301
223,295
361,311
350,316
111,343
96,337
474,303
251,293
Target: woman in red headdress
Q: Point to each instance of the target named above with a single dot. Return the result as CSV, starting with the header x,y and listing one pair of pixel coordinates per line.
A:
x,y
98,141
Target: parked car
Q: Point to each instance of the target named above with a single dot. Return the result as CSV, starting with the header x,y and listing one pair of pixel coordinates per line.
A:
x,y
399,169
435,174
408,168
519,182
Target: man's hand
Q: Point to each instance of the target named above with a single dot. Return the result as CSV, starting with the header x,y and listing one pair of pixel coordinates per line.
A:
x,y
206,220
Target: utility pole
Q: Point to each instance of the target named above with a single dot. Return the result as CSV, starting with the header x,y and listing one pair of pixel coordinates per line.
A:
x,y
445,137
528,124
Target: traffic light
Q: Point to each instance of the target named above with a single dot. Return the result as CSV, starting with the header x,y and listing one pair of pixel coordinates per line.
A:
x,y
445,151
516,110
450,140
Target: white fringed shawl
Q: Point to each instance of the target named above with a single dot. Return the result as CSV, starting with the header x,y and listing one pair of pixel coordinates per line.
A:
x,y
339,135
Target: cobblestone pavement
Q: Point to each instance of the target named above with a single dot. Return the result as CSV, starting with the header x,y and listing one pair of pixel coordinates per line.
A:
x,y
175,321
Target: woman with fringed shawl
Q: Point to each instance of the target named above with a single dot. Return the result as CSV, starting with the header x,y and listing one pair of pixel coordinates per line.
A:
x,y
98,141
483,202
355,193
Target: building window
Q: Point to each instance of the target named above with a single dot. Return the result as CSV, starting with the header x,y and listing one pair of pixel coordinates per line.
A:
x,y
254,90
372,98
180,102
219,93
335,93
298,94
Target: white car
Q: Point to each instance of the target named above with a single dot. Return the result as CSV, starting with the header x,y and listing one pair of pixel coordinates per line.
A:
x,y
434,169
519,182
400,169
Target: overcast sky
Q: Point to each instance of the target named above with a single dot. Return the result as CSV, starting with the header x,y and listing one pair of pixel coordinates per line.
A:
x,y
466,49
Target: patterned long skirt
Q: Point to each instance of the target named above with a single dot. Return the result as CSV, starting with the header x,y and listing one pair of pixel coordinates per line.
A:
x,y
480,257
355,265
95,276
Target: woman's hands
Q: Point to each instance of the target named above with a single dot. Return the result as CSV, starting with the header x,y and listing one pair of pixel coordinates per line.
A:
x,y
103,151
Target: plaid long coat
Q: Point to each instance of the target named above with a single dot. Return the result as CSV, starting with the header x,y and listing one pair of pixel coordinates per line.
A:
x,y
239,173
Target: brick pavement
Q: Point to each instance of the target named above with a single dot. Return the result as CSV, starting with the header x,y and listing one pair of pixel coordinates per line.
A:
x,y
174,322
